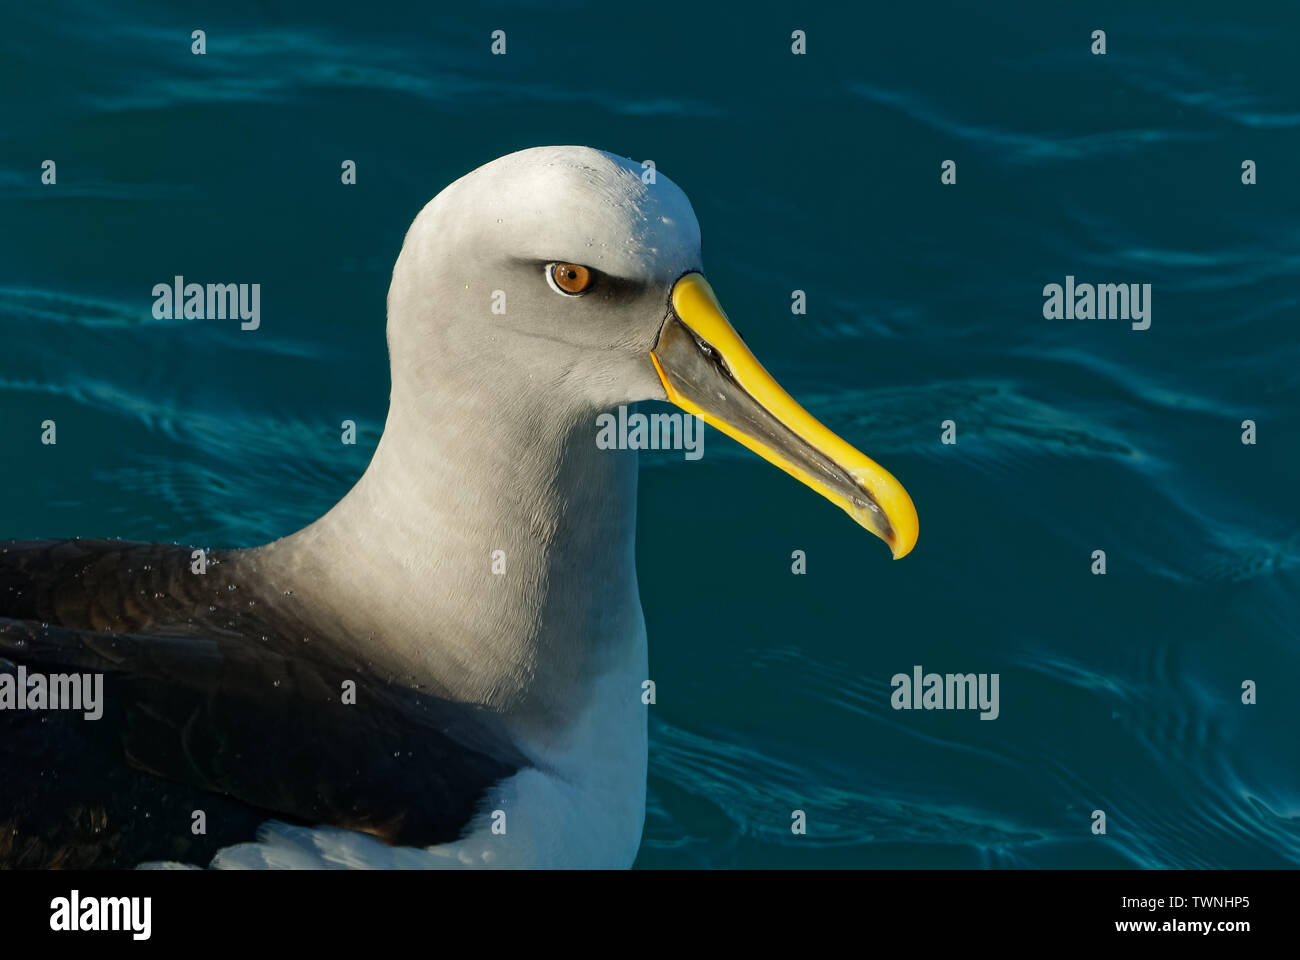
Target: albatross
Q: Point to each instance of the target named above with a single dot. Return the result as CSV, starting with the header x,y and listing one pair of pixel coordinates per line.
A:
x,y
446,669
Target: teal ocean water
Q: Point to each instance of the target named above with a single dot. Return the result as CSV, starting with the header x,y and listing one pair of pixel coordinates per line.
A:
x,y
1120,693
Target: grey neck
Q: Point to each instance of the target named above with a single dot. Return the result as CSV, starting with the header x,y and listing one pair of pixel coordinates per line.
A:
x,y
487,553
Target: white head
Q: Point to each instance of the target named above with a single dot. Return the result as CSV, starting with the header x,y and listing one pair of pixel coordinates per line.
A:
x,y
557,279
475,289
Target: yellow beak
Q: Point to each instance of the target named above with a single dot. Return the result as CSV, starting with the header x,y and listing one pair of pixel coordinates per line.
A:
x,y
707,370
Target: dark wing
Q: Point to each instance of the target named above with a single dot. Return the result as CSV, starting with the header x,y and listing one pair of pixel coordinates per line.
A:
x,y
212,704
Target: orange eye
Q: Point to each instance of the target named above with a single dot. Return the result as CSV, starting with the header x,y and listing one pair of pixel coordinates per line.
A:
x,y
571,277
